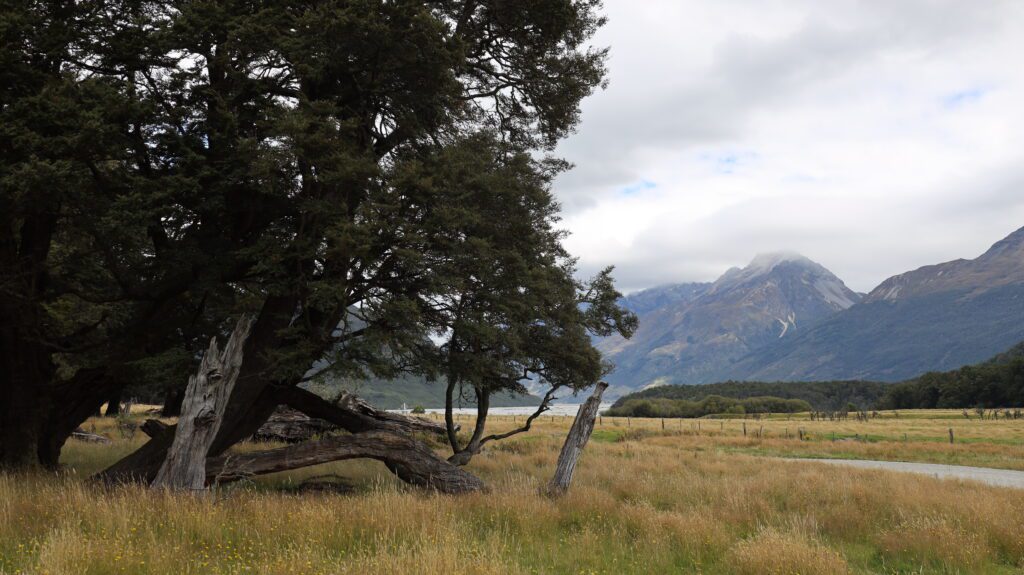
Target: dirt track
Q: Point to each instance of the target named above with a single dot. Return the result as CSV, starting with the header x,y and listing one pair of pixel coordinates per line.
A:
x,y
997,477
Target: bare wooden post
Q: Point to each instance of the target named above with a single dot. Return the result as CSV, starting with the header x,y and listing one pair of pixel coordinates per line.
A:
x,y
577,439
951,436
202,411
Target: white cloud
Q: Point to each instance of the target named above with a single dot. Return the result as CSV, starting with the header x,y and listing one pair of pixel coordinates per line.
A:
x,y
873,137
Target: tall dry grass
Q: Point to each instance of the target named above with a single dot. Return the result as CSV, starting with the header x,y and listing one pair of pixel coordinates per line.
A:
x,y
642,502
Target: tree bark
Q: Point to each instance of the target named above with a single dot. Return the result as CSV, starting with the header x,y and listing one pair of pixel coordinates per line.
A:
x,y
289,425
27,372
113,404
81,396
463,456
408,423
577,439
202,412
411,460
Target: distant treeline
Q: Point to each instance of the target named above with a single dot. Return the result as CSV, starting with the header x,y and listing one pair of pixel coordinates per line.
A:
x,y
820,395
984,385
998,382
710,405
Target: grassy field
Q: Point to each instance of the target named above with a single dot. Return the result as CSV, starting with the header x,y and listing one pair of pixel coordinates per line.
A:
x,y
645,500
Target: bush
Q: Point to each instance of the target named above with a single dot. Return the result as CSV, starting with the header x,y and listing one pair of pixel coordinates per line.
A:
x,y
418,410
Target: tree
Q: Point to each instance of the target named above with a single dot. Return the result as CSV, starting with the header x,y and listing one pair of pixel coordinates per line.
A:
x,y
254,162
503,293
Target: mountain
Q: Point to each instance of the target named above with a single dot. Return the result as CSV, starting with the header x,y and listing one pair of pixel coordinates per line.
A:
x,y
690,333
648,300
938,317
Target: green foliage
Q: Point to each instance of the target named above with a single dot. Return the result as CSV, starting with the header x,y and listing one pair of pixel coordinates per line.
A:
x,y
419,409
991,384
710,405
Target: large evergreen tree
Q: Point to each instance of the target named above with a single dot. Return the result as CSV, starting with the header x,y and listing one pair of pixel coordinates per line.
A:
x,y
172,164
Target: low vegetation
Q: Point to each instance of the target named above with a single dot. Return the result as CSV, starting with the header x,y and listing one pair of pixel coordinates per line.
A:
x,y
821,395
649,496
710,405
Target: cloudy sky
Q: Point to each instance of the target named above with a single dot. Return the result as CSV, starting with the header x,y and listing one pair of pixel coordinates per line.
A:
x,y
873,137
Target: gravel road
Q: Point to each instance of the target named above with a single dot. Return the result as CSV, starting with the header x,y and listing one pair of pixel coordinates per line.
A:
x,y
997,477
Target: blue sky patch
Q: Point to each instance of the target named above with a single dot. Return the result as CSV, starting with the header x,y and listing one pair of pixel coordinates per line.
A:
x,y
963,97
638,187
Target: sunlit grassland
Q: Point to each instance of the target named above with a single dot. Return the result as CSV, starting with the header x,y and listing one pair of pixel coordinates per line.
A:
x,y
644,500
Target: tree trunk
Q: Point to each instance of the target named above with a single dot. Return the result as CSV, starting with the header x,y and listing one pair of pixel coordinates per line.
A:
x,y
202,411
577,439
113,404
252,400
80,397
172,402
24,396
463,456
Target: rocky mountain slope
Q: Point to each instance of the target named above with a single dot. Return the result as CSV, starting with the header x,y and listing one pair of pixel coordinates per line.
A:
x,y
938,317
691,333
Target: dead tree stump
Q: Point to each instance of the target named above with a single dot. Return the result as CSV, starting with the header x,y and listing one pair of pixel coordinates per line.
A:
x,y
202,410
577,439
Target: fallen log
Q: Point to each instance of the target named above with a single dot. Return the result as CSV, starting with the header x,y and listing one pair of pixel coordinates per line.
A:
x,y
411,460
575,441
353,414
410,422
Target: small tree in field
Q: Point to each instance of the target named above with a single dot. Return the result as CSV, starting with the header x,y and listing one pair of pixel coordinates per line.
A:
x,y
511,310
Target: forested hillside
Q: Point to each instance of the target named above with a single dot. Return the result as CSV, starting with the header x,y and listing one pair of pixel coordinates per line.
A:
x,y
998,382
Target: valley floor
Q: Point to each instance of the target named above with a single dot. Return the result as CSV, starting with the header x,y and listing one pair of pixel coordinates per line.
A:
x,y
650,496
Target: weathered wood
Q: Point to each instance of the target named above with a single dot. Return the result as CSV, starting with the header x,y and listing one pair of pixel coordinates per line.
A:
x,y
353,414
577,439
407,422
146,460
288,425
206,396
83,435
413,461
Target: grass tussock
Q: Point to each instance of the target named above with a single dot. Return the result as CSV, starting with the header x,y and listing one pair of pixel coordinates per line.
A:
x,y
771,552
643,501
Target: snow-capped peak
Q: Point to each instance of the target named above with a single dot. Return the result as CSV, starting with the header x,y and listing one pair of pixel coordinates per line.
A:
x,y
766,262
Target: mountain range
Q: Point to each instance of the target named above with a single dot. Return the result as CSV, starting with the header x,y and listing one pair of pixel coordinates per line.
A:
x,y
784,317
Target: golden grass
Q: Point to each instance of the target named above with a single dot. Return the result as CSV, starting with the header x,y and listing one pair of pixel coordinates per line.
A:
x,y
643,501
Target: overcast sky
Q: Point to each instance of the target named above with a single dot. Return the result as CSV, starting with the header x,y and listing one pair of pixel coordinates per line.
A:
x,y
873,137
